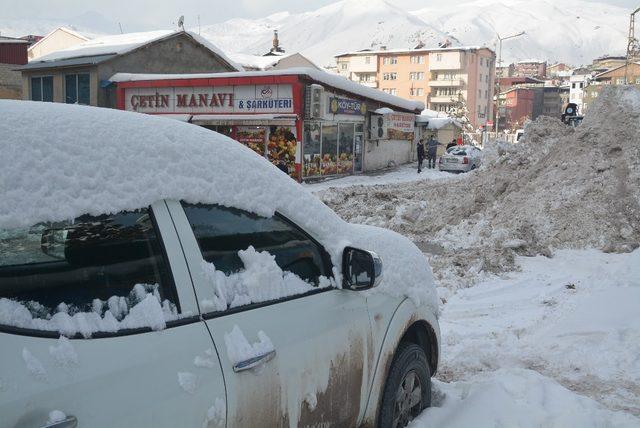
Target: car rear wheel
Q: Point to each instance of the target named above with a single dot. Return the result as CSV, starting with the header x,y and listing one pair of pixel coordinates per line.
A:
x,y
408,388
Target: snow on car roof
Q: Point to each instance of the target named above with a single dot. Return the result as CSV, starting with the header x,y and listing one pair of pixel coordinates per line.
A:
x,y
320,76
61,161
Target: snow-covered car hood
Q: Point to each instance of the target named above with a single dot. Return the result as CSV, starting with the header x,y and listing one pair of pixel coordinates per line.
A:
x,y
61,161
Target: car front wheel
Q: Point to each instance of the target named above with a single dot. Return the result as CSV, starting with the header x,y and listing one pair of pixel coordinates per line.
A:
x,y
408,388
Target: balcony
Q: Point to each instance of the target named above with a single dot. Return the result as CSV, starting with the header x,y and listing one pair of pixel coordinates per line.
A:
x,y
441,83
443,99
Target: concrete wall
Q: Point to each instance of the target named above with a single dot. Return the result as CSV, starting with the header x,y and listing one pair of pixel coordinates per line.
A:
x,y
55,41
383,153
10,82
180,54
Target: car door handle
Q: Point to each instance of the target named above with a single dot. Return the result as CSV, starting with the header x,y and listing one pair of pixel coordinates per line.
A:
x,y
254,362
68,422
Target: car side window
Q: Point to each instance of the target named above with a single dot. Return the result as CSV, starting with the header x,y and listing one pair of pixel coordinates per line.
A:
x,y
86,275
222,232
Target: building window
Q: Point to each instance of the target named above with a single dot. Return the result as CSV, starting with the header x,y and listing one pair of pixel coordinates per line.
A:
x,y
390,60
486,93
419,92
417,59
367,60
481,64
389,76
416,75
620,81
42,88
76,88
343,66
393,91
638,80
439,57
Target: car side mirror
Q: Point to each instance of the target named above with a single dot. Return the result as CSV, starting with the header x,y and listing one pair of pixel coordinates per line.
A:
x,y
361,269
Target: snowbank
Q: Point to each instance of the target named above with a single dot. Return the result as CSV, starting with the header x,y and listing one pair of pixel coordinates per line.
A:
x,y
559,188
516,398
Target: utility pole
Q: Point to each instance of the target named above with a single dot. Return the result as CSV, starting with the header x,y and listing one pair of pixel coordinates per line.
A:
x,y
499,64
633,47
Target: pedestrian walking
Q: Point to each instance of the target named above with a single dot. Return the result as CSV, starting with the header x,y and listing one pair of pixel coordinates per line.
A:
x,y
420,155
432,150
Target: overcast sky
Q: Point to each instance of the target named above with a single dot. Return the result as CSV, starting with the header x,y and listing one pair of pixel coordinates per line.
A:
x,y
137,15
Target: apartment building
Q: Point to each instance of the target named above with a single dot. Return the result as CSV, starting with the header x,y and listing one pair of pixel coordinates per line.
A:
x,y
531,68
361,67
442,78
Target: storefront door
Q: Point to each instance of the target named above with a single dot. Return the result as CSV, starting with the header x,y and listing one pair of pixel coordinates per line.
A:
x,y
357,148
346,133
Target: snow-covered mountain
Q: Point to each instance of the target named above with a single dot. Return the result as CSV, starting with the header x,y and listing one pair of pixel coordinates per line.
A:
x,y
321,34
573,31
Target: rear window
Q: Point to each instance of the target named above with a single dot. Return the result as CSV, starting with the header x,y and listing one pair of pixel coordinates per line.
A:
x,y
91,274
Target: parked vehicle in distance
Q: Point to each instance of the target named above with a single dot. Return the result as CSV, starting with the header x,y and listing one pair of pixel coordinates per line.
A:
x,y
461,159
156,273
518,135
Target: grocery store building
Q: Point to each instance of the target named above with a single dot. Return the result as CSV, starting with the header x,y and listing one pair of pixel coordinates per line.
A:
x,y
316,123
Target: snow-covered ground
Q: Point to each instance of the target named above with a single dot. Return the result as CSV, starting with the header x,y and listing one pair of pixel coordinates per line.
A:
x,y
526,349
402,174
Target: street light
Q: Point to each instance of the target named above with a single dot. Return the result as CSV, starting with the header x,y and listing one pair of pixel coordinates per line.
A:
x,y
500,39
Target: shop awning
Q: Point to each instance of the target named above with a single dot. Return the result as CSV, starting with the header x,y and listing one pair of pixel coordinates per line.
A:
x,y
179,117
244,119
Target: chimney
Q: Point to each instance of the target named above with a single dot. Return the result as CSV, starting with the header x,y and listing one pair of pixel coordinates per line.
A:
x,y
276,42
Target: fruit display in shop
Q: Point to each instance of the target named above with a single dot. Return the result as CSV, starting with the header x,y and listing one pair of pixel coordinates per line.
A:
x,y
282,146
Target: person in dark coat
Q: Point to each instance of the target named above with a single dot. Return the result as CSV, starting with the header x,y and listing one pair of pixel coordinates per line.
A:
x,y
420,155
453,143
432,151
282,166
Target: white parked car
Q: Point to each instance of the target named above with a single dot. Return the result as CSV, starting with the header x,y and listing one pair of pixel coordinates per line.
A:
x,y
460,159
156,274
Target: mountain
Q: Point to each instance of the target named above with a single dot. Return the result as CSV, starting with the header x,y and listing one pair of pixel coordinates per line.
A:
x,y
573,31
319,35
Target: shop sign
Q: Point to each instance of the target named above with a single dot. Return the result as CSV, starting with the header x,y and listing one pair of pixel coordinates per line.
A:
x,y
211,99
400,126
346,106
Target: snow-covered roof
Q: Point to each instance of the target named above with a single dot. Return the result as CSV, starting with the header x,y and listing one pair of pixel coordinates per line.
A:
x,y
437,122
121,44
420,50
531,61
332,80
66,30
4,39
61,161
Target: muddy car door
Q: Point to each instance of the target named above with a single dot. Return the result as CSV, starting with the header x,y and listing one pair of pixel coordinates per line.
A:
x,y
294,349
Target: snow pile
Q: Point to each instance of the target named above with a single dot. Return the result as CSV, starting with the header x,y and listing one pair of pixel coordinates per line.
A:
x,y
239,349
261,280
573,318
516,398
142,308
558,188
56,416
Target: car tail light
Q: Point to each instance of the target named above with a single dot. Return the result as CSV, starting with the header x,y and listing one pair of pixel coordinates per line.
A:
x,y
465,160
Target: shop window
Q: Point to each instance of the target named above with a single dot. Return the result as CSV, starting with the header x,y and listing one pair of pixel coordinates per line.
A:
x,y
253,137
345,148
77,88
311,149
42,88
281,148
328,164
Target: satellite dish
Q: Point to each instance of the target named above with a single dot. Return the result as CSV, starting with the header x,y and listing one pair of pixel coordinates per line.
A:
x,y
181,22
